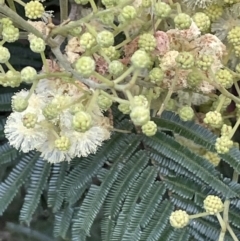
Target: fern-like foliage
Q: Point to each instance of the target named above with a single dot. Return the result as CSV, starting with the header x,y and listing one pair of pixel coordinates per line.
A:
x,y
129,188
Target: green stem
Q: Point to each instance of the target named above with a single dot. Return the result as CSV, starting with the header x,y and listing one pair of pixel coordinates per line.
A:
x,y
91,29
222,100
92,101
119,130
221,222
198,215
235,128
237,87
93,5
33,87
113,98
221,236
235,176
103,79
225,211
43,57
233,235
129,95
10,67
124,75
132,82
20,2
11,5
1,69
63,10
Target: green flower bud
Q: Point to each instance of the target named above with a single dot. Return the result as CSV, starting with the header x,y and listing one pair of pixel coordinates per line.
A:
x,y
129,13
19,104
82,121
139,100
204,62
182,21
6,22
115,68
4,55
82,2
213,119
147,42
186,113
162,10
214,12
146,3
105,39
104,102
34,10
10,34
107,18
87,40
140,115
233,36
62,143
108,3
194,79
149,129
225,78
179,219
223,144
37,45
28,74
85,66
185,60
140,59
213,204
13,78
156,76
51,111
29,120
76,108
111,52
202,21
124,108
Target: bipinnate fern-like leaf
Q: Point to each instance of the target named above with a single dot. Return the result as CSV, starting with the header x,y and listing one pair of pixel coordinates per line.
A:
x,y
7,153
16,178
199,167
179,235
2,124
62,222
200,135
38,181
5,101
55,197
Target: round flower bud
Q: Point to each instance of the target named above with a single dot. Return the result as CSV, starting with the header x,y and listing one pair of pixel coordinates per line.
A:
x,y
225,78
37,45
129,13
223,144
6,22
107,18
171,105
62,143
212,158
10,34
139,100
140,115
185,60
34,10
149,129
76,108
179,219
13,78
116,68
124,108
156,75
213,204
146,3
186,113
226,103
82,121
237,68
4,55
51,111
226,130
28,74
85,66
105,39
204,62
104,102
236,49
140,59
182,21
29,120
214,12
147,42
75,32
19,104
213,119
162,10
82,2
233,36
108,3
194,79
202,21
87,40
111,52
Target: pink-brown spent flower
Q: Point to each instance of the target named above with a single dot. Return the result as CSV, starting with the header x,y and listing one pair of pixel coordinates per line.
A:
x,y
162,42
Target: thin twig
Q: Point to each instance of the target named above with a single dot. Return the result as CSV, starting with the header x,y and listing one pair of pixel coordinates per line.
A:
x,y
63,10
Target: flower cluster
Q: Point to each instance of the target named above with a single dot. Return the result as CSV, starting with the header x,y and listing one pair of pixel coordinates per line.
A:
x,y
158,64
